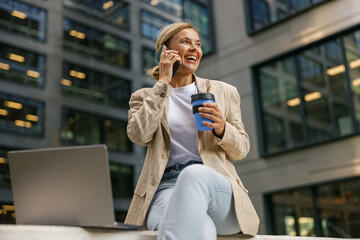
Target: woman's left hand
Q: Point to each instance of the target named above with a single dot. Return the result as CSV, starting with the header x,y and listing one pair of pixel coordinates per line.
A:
x,y
212,112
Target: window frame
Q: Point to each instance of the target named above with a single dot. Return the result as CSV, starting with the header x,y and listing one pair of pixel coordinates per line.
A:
x,y
258,105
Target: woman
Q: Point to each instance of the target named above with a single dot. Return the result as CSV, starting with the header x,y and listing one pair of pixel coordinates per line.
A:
x,y
188,188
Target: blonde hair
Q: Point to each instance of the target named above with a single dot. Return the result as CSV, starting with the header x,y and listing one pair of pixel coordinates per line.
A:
x,y
165,36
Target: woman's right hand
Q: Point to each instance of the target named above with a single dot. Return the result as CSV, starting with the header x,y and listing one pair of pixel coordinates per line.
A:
x,y
167,60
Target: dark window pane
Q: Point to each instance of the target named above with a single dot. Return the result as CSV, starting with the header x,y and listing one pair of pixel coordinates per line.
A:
x,y
97,44
21,115
96,86
7,214
85,128
352,52
21,66
281,105
113,12
122,180
172,6
22,18
151,24
148,59
4,168
265,13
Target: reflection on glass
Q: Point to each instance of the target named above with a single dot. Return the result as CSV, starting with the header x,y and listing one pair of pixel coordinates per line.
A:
x,y
21,115
151,24
352,52
4,168
22,18
76,129
114,12
172,6
148,59
281,105
86,83
265,12
7,213
293,213
199,15
94,43
122,180
21,66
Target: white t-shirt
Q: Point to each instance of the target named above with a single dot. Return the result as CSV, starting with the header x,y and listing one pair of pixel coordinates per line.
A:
x,y
182,126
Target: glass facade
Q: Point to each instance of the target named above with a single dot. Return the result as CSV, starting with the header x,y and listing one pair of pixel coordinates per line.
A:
x,y
174,7
21,66
21,115
199,15
264,13
113,12
24,19
4,168
324,210
7,213
151,24
97,44
122,178
148,59
85,83
310,96
76,125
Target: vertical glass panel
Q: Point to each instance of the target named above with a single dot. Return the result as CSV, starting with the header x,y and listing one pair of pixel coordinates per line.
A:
x,y
281,105
151,24
99,87
148,59
172,6
199,15
76,129
21,66
293,213
268,12
322,72
21,115
122,180
114,12
94,43
339,209
7,213
352,52
4,168
22,18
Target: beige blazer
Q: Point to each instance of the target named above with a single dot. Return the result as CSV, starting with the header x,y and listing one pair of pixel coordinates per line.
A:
x,y
148,126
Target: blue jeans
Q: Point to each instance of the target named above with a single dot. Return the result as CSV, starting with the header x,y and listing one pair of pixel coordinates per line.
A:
x,y
195,203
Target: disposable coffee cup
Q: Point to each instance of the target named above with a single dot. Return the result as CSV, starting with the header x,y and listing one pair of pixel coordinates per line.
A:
x,y
197,100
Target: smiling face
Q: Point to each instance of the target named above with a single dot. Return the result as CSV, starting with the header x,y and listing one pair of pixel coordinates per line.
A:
x,y
187,43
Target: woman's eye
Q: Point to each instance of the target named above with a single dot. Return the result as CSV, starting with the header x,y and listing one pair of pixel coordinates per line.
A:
x,y
185,41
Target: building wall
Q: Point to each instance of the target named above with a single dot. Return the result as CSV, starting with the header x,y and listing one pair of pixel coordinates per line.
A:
x,y
237,52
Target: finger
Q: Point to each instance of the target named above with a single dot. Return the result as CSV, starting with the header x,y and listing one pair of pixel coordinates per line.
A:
x,y
209,110
209,116
212,105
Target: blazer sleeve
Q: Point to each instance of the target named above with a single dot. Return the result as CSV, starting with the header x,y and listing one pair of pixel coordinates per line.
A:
x,y
235,141
146,110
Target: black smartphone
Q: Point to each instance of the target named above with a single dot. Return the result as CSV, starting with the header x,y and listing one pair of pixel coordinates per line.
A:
x,y
176,65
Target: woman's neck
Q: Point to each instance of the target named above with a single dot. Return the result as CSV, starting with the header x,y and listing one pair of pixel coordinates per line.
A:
x,y
181,80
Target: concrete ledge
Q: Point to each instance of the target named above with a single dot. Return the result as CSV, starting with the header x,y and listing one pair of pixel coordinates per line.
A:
x,y
34,232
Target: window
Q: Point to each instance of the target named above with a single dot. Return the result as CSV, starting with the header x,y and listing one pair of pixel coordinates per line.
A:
x,y
21,115
122,180
324,210
21,66
306,97
97,44
148,59
4,168
113,12
199,15
7,213
264,13
76,129
24,19
95,86
151,24
172,6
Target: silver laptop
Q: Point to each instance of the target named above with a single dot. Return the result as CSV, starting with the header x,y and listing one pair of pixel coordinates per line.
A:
x,y
63,186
